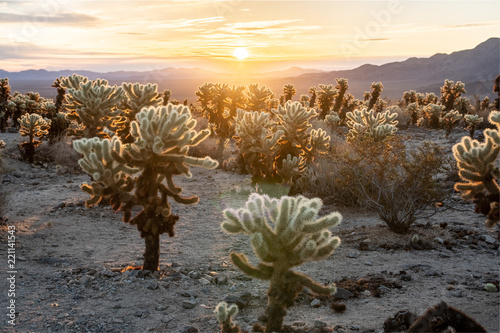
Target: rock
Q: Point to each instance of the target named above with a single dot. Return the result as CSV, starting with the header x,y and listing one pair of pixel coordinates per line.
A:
x,y
153,285
354,327
383,289
239,301
204,281
367,263
490,287
190,329
118,321
340,330
161,307
58,206
353,255
488,239
299,324
458,293
406,277
143,273
107,273
343,294
319,324
316,303
188,305
439,240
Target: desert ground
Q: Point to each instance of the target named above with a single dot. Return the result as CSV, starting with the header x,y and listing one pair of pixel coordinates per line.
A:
x,y
69,260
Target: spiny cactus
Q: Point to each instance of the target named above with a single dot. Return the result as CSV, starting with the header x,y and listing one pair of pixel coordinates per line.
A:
x,y
431,114
364,123
258,97
377,88
312,101
91,104
141,173
412,109
333,120
289,90
478,169
450,92
284,233
4,101
137,96
471,122
225,314
33,126
326,96
449,120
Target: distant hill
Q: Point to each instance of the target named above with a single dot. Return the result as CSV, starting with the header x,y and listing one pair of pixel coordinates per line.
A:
x,y
476,67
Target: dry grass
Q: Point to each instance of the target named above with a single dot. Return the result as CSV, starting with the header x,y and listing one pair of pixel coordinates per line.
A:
x,y
60,154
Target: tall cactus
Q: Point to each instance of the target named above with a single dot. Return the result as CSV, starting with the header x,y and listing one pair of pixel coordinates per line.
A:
x,y
258,97
141,173
33,126
450,92
478,168
4,101
284,233
377,88
91,104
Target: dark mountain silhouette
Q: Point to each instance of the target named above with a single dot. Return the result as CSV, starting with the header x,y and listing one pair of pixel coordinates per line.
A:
x,y
476,67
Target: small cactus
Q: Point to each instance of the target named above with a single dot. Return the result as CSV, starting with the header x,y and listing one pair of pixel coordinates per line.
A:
x,y
284,233
472,121
364,123
32,126
449,120
225,315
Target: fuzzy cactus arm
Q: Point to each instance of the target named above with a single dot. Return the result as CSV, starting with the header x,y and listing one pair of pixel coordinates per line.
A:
x,y
307,282
262,272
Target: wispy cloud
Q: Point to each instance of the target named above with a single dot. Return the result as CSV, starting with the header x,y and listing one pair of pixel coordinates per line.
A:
x,y
181,23
58,18
268,28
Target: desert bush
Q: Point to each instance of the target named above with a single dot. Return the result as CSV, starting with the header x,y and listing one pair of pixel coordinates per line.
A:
x,y
33,126
381,176
478,169
284,233
141,173
61,154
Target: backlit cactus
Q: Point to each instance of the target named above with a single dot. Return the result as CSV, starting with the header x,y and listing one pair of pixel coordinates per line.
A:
x,y
141,173
284,233
91,104
289,90
449,119
366,124
478,168
450,92
377,88
471,122
33,126
4,101
258,97
431,114
225,314
326,96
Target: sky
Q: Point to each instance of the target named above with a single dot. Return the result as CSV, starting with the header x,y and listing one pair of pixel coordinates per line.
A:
x,y
234,35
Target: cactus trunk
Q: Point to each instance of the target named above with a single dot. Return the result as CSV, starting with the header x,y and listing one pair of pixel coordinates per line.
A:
x,y
152,252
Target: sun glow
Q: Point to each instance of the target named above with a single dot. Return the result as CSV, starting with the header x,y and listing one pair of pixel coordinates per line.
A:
x,y
240,53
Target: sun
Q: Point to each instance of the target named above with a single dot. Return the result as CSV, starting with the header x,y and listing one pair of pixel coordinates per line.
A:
x,y
240,53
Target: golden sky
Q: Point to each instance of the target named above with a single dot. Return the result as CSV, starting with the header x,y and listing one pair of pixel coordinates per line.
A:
x,y
147,35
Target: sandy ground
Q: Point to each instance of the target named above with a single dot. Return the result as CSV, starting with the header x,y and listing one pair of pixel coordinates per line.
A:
x,y
67,258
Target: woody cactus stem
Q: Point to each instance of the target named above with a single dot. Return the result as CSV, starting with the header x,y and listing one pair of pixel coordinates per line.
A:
x,y
284,233
140,173
476,163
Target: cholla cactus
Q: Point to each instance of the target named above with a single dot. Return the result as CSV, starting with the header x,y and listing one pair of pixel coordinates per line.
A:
x,y
33,126
333,120
289,91
363,123
450,92
258,97
471,122
409,97
326,95
477,168
413,110
4,101
91,104
137,96
431,114
284,233
225,314
140,173
462,105
377,89
449,120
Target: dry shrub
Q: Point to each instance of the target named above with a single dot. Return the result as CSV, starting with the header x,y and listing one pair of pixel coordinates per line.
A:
x,y
60,153
381,176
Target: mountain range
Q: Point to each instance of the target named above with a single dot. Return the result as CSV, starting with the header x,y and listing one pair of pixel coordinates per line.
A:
x,y
476,67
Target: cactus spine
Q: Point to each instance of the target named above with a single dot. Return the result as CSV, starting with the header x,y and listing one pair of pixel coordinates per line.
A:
x,y
284,233
141,173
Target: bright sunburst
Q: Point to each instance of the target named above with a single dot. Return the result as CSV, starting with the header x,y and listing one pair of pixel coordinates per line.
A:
x,y
240,53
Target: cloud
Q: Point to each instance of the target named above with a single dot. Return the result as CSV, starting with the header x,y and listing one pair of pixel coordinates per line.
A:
x,y
267,28
373,39
59,18
181,23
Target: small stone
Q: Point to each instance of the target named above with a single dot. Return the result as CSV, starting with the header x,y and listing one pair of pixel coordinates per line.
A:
x,y
299,324
353,255
153,285
338,307
343,294
439,240
488,239
458,293
190,329
188,305
107,273
367,293
204,281
118,321
161,307
406,277
367,263
319,324
354,327
383,289
490,287
316,303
